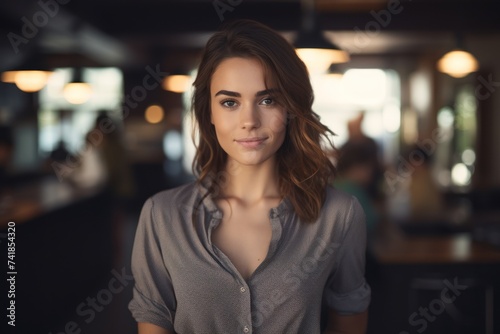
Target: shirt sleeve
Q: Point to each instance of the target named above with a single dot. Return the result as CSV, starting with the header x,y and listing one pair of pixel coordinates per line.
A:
x,y
346,290
153,298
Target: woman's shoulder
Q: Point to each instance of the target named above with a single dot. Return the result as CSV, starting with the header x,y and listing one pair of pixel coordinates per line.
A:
x,y
341,206
339,199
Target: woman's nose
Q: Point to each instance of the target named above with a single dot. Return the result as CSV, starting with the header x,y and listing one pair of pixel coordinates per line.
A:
x,y
249,117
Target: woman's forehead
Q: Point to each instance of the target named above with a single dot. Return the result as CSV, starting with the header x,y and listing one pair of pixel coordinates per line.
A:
x,y
242,73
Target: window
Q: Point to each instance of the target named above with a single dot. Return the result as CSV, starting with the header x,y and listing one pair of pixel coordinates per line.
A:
x,y
456,152
339,98
60,120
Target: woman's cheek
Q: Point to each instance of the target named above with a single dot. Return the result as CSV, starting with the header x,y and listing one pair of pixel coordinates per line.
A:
x,y
278,122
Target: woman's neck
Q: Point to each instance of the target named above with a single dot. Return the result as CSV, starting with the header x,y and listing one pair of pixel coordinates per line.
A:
x,y
251,184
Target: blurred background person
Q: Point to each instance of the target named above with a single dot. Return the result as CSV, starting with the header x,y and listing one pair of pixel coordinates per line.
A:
x,y
360,169
355,172
60,153
359,143
357,168
113,154
105,160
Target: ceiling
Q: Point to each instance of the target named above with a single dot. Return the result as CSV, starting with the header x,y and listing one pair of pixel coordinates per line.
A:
x,y
132,33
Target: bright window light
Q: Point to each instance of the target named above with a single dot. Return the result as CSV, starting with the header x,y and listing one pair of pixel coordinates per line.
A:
x,y
340,98
366,87
391,117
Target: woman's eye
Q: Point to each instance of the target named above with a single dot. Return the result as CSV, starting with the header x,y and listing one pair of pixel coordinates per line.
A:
x,y
268,101
229,103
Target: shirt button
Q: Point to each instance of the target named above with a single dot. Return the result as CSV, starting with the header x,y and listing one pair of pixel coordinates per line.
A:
x,y
242,289
245,329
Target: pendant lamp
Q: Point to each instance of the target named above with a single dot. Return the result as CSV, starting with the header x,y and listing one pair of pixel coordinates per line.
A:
x,y
77,91
315,50
458,62
30,76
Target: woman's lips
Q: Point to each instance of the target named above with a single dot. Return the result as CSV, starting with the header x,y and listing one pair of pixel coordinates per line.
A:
x,y
251,142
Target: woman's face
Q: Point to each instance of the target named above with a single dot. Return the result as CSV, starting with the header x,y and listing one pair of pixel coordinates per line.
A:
x,y
249,123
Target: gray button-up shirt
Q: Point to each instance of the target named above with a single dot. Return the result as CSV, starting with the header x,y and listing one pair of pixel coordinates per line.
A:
x,y
184,283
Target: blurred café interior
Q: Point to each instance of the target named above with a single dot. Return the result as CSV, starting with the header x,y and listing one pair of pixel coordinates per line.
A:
x,y
94,119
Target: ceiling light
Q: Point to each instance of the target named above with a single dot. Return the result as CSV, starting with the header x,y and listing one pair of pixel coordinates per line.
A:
x,y
30,76
458,63
315,50
178,83
77,91
27,81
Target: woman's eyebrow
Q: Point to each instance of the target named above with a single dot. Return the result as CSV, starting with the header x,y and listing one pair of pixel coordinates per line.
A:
x,y
228,92
236,94
266,92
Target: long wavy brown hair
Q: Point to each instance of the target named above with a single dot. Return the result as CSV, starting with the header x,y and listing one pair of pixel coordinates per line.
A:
x,y
303,164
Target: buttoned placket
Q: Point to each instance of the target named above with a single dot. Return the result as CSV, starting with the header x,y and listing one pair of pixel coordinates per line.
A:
x,y
226,264
277,220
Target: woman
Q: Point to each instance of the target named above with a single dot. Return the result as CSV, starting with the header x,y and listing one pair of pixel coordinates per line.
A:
x,y
259,243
